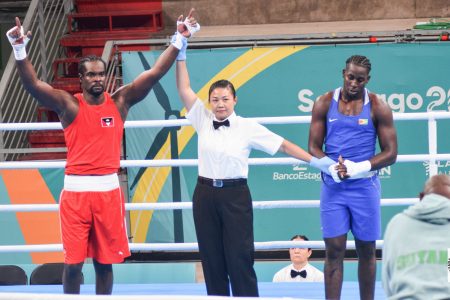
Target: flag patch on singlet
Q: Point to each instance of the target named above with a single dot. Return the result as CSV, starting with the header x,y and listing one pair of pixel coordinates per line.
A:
x,y
107,122
363,121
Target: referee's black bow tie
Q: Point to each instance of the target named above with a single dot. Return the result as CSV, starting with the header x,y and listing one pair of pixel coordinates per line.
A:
x,y
295,273
217,124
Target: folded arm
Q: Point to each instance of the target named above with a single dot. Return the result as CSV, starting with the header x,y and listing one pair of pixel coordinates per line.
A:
x,y
317,129
387,136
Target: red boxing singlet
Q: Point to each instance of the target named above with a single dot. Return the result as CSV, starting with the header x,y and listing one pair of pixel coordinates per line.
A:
x,y
94,139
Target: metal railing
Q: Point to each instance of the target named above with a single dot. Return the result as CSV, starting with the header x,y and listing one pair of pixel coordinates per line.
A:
x,y
46,19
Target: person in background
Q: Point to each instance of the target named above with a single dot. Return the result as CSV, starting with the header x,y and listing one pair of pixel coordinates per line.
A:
x,y
416,246
299,270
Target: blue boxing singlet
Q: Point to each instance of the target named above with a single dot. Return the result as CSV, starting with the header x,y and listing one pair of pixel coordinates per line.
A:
x,y
353,137
353,204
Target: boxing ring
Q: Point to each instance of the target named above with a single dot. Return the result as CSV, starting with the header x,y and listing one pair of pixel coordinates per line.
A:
x,y
187,291
197,290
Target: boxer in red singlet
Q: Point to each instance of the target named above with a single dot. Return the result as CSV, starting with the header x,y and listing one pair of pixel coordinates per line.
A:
x,y
91,204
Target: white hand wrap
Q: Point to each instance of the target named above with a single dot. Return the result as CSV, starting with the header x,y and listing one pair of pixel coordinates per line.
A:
x,y
177,40
358,170
322,163
182,53
19,50
334,172
191,29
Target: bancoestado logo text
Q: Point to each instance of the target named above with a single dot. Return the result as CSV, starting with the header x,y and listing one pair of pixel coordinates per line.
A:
x,y
310,173
298,173
435,98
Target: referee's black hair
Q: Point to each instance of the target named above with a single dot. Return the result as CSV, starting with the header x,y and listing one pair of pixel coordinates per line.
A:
x,y
299,236
359,60
223,83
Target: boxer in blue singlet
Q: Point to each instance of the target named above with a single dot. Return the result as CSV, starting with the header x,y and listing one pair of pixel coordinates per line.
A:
x,y
347,121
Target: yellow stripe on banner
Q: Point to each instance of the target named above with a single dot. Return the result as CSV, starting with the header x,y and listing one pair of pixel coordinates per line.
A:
x,y
241,70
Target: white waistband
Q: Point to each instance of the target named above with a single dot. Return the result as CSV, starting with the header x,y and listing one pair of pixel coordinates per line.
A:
x,y
83,183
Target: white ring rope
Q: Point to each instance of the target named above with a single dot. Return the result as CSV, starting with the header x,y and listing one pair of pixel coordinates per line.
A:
x,y
194,162
432,115
188,205
182,246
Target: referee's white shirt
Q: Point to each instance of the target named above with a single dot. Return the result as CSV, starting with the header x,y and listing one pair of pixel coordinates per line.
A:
x,y
223,153
312,274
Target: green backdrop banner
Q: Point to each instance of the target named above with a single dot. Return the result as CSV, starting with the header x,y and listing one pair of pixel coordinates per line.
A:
x,y
283,82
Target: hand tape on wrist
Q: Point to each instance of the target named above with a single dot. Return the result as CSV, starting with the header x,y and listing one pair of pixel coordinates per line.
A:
x,y
19,50
177,40
191,29
182,53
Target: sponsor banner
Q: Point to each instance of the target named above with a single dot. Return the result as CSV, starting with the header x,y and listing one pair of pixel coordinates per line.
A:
x,y
282,81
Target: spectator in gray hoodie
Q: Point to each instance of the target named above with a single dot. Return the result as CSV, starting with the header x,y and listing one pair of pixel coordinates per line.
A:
x,y
416,243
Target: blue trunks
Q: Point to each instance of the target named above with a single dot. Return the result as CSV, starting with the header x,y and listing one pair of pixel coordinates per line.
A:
x,y
351,205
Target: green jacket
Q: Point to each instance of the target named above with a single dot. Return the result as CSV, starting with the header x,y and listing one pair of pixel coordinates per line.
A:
x,y
415,251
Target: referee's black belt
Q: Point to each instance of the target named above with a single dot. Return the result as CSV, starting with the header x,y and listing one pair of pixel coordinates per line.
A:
x,y
222,182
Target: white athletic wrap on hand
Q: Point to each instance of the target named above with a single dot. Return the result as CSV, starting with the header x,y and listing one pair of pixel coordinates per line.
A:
x,y
322,163
358,170
334,172
191,29
177,40
19,50
182,53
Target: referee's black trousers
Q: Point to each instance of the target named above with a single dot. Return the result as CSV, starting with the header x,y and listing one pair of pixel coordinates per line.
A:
x,y
224,225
